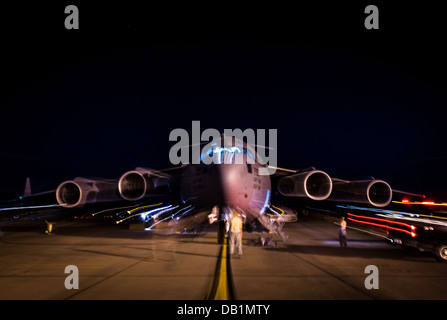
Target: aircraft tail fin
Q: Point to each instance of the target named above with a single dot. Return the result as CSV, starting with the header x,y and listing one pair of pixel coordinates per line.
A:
x,y
27,191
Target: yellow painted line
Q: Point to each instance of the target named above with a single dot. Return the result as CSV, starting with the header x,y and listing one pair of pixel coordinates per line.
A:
x,y
222,292
220,289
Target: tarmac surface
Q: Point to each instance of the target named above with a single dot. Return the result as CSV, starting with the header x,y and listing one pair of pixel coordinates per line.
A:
x,y
122,264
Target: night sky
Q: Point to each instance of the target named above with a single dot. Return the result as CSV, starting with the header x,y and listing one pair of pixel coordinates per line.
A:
x,y
103,99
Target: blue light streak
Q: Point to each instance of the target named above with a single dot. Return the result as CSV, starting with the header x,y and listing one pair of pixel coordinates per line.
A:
x,y
266,203
249,154
31,207
150,212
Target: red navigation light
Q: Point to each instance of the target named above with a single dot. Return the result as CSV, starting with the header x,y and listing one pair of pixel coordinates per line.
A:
x,y
405,200
413,234
412,227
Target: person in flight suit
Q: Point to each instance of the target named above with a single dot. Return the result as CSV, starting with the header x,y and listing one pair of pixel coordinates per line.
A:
x,y
236,233
342,235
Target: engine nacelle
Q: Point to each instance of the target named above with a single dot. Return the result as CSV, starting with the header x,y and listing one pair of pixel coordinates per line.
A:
x,y
141,182
79,191
314,184
375,192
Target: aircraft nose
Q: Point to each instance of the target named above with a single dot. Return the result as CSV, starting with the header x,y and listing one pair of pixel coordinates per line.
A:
x,y
235,186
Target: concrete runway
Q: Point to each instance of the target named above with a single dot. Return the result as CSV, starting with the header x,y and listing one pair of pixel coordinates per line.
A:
x,y
133,264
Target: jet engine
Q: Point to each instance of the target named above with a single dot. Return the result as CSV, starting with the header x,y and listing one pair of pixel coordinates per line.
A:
x,y
314,184
375,192
79,191
141,182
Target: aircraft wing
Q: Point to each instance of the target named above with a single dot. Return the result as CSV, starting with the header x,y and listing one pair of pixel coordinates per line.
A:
x,y
318,185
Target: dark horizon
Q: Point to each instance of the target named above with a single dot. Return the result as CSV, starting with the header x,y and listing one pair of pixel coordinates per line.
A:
x,y
102,100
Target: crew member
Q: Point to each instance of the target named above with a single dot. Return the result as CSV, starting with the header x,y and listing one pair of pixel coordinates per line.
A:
x,y
236,233
342,235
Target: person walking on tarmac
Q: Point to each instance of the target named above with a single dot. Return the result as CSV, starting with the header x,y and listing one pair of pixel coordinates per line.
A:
x,y
342,235
236,233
